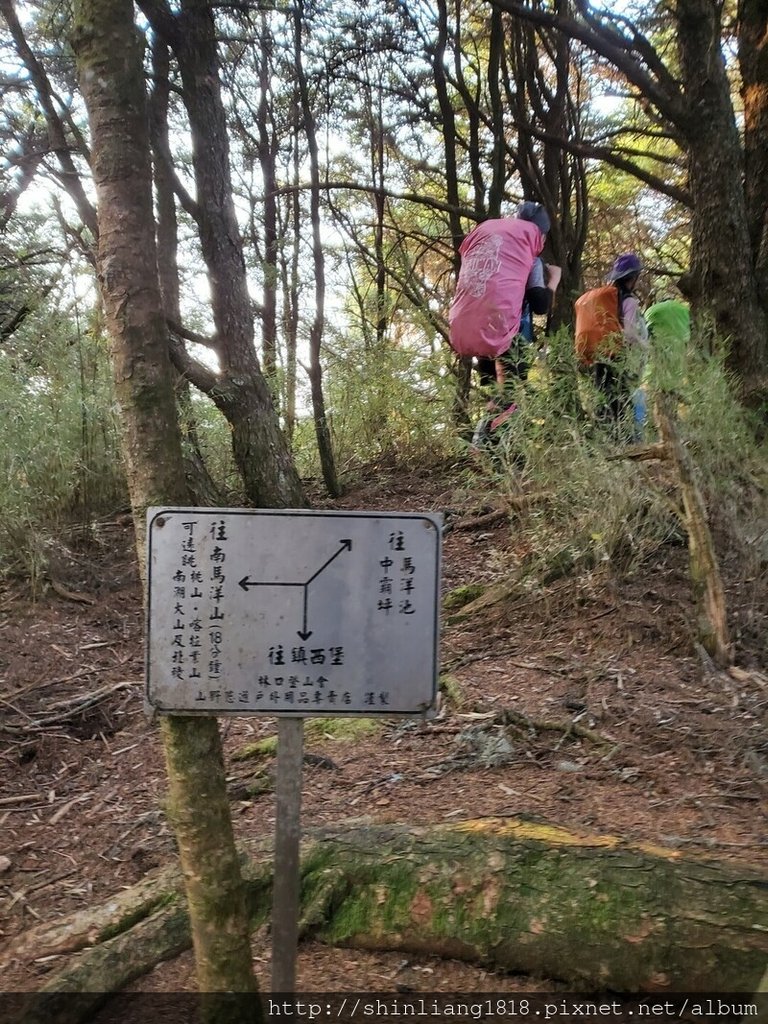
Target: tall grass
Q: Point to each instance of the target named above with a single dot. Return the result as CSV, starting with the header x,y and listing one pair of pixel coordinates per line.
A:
x,y
384,401
601,508
58,438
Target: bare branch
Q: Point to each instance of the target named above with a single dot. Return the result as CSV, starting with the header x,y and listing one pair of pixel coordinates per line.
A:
x,y
409,197
186,334
648,74
58,141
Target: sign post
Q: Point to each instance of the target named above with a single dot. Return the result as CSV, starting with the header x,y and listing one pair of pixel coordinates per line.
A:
x,y
286,885
292,614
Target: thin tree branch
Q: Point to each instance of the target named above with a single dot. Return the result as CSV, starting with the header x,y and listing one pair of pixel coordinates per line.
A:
x,y
659,87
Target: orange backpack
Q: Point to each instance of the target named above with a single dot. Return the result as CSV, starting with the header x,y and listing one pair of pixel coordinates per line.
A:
x,y
598,329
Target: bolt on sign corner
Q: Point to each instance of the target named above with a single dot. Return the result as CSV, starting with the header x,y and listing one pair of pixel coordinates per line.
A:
x,y
292,612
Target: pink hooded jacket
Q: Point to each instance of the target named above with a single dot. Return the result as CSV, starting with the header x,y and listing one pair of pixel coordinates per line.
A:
x,y
496,259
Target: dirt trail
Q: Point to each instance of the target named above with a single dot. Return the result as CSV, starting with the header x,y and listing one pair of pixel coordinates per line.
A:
x,y
684,763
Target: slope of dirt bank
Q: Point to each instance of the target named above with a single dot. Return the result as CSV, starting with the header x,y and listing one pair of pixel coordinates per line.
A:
x,y
616,727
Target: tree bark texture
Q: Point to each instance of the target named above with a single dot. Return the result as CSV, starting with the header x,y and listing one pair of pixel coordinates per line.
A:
x,y
322,427
201,485
199,810
109,58
590,910
722,265
753,63
267,151
240,390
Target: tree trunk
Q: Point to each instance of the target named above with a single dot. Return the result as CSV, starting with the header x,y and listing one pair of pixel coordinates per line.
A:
x,y
109,59
591,910
201,485
267,150
258,445
708,589
114,94
322,430
753,64
199,810
290,276
723,278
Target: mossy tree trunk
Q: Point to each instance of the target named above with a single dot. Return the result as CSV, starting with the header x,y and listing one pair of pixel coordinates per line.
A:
x,y
591,910
109,60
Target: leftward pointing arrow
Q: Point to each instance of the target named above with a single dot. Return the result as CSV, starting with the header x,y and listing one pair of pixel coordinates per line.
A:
x,y
246,583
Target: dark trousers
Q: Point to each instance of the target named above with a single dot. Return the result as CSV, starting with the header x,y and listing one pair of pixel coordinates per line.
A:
x,y
615,387
515,362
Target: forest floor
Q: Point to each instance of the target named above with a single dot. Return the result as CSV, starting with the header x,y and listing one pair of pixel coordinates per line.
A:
x,y
685,764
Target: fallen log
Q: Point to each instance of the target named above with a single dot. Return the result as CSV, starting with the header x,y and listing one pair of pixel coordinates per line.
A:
x,y
705,570
561,564
497,515
513,895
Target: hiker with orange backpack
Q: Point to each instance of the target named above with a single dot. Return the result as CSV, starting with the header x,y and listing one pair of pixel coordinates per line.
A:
x,y
611,336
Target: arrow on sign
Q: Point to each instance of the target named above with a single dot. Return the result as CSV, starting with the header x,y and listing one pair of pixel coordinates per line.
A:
x,y
246,583
346,545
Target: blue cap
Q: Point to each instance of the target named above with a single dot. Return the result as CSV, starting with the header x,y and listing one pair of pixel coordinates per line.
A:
x,y
536,214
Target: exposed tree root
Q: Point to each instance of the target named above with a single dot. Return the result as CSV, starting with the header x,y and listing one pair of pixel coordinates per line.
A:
x,y
496,515
642,453
568,728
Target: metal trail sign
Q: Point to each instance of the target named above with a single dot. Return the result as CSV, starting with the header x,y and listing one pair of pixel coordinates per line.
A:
x,y
292,612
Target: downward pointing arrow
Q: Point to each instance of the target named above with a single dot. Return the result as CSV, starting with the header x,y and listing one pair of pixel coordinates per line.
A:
x,y
246,583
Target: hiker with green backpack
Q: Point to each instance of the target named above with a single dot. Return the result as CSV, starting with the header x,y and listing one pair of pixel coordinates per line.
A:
x,y
611,337
669,329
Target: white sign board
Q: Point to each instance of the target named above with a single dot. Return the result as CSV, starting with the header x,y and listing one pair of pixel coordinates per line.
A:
x,y
292,612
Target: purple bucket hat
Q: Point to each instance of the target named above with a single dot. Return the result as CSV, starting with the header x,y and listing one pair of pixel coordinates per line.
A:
x,y
625,266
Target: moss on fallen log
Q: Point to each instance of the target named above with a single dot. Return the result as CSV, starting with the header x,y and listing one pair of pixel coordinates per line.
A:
x,y
594,911
590,910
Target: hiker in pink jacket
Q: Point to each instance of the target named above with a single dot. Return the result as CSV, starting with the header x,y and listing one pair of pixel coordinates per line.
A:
x,y
497,258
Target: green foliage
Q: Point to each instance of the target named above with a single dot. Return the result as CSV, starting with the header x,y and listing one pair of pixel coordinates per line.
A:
x,y
733,472
214,438
598,510
384,401
58,436
604,509
337,730
341,730
455,599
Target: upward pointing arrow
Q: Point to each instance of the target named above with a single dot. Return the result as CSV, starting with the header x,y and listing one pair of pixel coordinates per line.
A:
x,y
246,583
346,545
